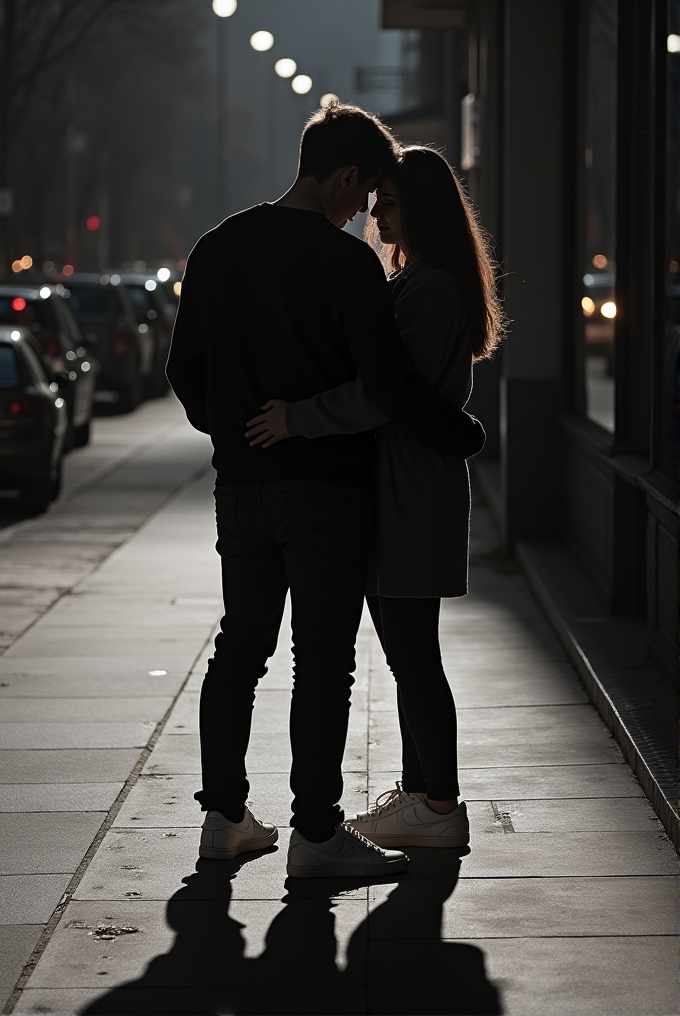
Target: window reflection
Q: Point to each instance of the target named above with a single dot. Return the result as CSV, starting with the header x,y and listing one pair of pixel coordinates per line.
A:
x,y
598,303
671,380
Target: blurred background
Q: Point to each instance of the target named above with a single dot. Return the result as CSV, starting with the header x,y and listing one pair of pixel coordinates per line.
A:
x,y
130,128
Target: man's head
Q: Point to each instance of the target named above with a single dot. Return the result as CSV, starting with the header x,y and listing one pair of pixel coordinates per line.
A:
x,y
345,150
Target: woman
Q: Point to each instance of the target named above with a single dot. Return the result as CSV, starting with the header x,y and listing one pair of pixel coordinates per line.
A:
x,y
448,314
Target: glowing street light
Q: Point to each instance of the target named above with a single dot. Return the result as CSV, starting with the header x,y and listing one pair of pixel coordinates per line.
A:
x,y
285,67
327,98
224,8
262,41
301,83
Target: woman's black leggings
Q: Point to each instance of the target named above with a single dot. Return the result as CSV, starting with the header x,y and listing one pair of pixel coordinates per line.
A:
x,y
408,630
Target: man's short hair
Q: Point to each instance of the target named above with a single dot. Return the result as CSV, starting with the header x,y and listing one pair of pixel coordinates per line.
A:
x,y
341,135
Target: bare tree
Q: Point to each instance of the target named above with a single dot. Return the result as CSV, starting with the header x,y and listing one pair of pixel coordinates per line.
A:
x,y
102,123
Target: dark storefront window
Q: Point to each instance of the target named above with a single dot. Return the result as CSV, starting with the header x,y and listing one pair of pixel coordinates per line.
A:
x,y
598,269
671,369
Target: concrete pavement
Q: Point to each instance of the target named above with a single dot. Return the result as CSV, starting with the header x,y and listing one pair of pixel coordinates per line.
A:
x,y
566,903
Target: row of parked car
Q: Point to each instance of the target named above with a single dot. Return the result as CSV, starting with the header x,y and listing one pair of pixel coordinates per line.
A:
x,y
63,346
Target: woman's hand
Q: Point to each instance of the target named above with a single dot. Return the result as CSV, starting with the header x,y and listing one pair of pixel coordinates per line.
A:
x,y
271,426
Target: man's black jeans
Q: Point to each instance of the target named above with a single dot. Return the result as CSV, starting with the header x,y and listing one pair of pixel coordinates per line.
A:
x,y
314,539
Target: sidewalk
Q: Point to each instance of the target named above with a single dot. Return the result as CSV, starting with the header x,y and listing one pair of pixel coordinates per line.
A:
x,y
566,903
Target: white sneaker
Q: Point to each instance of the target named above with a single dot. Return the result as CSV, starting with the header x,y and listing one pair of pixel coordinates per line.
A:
x,y
222,839
404,820
346,853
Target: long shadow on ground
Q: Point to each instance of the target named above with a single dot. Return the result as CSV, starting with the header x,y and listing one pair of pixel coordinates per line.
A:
x,y
401,967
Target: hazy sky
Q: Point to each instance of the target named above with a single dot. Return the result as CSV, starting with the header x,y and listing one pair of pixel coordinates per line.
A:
x,y
328,39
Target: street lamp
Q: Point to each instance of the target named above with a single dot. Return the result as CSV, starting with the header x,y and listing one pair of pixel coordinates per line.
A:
x,y
262,41
285,67
223,9
301,84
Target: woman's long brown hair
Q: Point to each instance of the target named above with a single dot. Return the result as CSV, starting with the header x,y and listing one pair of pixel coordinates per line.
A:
x,y
440,226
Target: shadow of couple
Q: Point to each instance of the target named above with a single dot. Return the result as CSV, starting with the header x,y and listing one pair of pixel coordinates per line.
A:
x,y
395,959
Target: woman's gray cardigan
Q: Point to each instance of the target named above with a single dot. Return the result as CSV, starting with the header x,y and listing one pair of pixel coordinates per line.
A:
x,y
422,495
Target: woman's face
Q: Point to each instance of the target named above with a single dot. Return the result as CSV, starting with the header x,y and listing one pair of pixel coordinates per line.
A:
x,y
387,213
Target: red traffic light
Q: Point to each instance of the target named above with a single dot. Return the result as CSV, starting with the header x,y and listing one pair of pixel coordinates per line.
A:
x,y
93,223
18,303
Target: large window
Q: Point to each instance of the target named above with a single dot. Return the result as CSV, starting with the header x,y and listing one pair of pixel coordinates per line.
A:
x,y
670,443
598,269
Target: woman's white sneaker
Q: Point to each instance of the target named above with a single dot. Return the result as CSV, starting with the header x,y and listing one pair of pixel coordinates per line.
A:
x,y
346,853
404,820
222,839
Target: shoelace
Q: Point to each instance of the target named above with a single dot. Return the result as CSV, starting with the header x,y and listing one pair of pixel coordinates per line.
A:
x,y
362,839
387,800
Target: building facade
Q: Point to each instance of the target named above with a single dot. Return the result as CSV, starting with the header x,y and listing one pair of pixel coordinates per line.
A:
x,y
563,118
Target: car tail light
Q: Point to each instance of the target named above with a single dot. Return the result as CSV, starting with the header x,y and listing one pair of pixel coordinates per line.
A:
x,y
120,345
20,407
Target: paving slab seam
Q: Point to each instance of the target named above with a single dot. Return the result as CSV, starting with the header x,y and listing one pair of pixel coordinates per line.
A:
x,y
603,702
106,825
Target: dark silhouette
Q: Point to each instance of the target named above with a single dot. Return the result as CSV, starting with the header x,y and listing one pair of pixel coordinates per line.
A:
x,y
299,516
449,316
206,973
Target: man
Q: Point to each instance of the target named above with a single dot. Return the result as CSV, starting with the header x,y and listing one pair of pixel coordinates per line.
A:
x,y
278,299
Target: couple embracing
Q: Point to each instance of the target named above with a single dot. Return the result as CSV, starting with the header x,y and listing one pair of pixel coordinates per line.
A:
x,y
351,482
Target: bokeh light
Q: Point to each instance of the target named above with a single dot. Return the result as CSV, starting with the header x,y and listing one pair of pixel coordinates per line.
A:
x,y
285,67
93,223
224,8
68,270
26,261
327,98
302,83
262,41
163,274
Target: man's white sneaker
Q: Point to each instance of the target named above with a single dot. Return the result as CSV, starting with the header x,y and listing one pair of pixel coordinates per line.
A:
x,y
222,839
404,820
347,853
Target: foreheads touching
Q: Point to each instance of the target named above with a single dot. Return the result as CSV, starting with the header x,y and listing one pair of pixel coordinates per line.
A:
x,y
338,136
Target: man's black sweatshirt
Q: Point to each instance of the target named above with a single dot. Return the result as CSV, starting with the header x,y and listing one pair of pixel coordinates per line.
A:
x,y
279,303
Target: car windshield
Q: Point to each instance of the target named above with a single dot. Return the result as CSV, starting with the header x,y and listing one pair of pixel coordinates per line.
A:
x,y
10,375
91,301
35,314
141,298
14,310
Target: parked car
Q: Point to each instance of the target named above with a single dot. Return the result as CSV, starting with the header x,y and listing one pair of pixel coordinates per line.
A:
x,y
125,349
155,312
33,422
45,313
